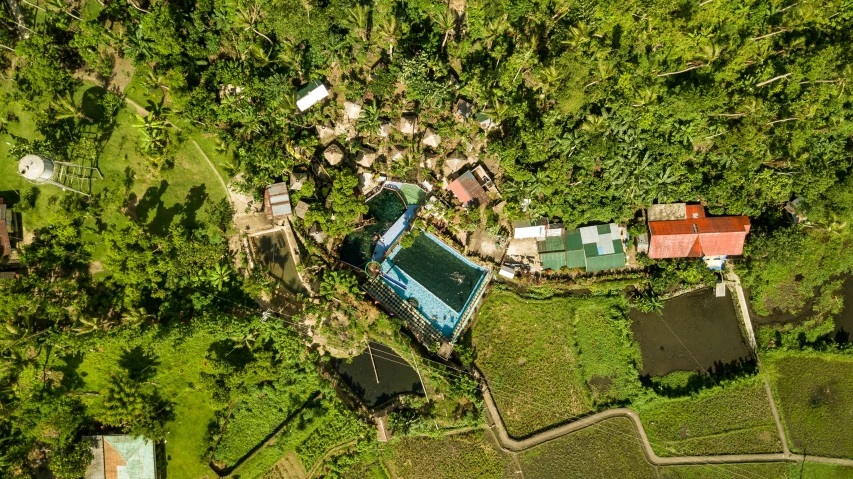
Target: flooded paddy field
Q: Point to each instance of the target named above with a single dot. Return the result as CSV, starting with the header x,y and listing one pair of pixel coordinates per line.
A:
x,y
396,376
694,331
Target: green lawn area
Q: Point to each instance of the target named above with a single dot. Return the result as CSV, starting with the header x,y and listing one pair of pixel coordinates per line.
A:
x,y
451,457
548,361
607,450
732,419
160,198
815,396
176,368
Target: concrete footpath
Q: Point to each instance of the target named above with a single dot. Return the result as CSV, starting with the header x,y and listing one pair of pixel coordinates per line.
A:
x,y
513,445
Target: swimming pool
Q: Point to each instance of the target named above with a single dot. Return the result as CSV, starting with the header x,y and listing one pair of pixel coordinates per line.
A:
x,y
446,286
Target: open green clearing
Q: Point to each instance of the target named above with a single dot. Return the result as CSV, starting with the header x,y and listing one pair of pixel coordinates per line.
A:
x,y
815,396
176,366
453,456
608,449
548,361
733,419
156,198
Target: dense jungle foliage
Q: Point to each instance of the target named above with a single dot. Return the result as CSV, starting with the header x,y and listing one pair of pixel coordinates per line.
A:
x,y
602,108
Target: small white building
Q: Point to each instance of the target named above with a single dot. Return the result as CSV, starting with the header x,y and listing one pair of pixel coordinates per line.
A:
x,y
507,272
311,94
524,229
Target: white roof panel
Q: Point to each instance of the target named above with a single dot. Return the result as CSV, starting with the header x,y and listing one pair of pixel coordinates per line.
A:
x,y
312,97
589,234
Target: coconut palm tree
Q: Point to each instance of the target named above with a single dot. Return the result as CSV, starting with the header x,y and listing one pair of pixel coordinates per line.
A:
x,y
245,18
446,22
218,276
357,19
388,32
65,108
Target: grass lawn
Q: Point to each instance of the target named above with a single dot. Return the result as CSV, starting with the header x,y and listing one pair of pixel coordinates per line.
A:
x,y
175,194
451,457
724,420
525,349
607,450
815,395
176,368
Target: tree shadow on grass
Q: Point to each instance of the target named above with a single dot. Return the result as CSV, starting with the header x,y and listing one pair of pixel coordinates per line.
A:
x,y
231,354
163,216
71,379
140,365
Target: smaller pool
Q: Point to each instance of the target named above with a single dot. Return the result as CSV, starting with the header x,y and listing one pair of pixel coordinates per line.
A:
x,y
396,376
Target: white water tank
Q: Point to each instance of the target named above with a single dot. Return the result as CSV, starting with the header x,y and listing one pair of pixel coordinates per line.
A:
x,y
35,168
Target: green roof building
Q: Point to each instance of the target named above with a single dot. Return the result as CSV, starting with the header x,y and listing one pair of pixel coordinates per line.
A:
x,y
594,248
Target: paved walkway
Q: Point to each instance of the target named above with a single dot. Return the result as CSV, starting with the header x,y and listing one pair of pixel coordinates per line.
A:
x,y
513,445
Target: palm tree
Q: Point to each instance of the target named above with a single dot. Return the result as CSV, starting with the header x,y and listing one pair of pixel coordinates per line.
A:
x,y
135,317
91,326
218,276
446,22
357,18
388,32
65,108
245,19
368,120
594,124
580,36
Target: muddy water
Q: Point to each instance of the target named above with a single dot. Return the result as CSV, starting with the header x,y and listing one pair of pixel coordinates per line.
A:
x,y
844,320
272,252
396,376
694,332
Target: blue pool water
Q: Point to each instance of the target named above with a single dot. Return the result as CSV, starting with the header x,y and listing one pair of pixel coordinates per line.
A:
x,y
442,316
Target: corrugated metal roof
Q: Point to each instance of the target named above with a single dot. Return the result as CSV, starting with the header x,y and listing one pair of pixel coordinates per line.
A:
x,y
575,259
693,237
550,244
574,241
554,261
467,188
121,457
277,201
605,262
310,94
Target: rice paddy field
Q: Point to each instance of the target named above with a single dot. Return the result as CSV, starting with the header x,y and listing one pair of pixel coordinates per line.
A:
x,y
607,450
815,396
774,470
735,419
454,456
548,361
524,348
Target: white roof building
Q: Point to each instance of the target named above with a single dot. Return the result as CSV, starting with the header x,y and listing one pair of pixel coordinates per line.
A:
x,y
311,94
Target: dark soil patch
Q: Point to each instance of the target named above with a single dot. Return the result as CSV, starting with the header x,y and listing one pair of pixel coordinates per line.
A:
x,y
776,316
694,332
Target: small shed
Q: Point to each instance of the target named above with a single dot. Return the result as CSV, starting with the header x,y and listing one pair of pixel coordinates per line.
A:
x,y
5,227
486,121
277,201
643,243
310,94
316,233
507,272
524,229
297,180
796,208
301,209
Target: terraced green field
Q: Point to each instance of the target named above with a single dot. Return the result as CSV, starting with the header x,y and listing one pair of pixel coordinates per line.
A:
x,y
724,420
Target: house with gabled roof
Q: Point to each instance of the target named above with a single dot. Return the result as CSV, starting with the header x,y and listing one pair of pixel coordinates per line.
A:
x,y
474,187
121,457
680,230
277,201
310,94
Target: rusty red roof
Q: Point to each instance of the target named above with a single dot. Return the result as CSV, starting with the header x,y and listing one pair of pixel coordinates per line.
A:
x,y
696,237
467,188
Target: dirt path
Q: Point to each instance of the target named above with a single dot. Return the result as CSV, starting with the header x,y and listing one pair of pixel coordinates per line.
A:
x,y
512,445
143,112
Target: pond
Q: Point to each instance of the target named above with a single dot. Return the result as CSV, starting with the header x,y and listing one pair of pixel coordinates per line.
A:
x,y
396,376
693,330
272,252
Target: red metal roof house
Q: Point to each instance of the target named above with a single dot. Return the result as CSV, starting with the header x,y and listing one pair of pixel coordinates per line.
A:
x,y
683,231
468,190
